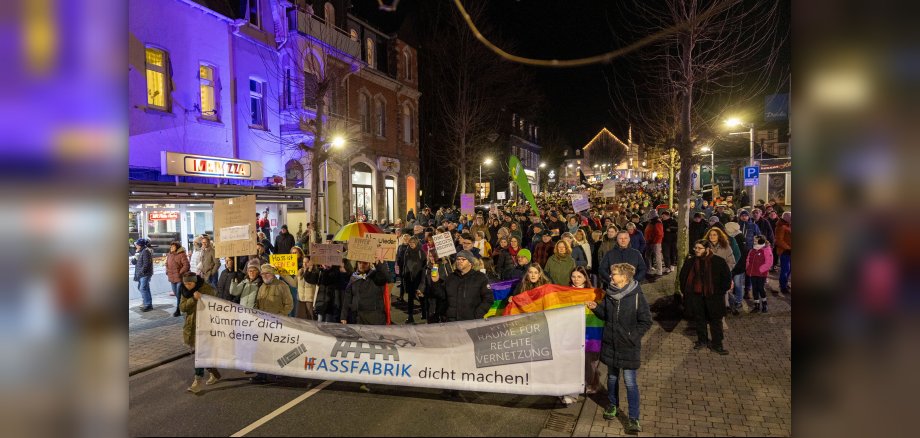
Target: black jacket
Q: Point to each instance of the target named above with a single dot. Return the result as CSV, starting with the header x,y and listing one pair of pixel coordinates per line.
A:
x,y
364,296
223,284
467,295
622,255
515,273
721,280
625,323
670,230
284,242
502,261
143,263
697,230
741,264
329,288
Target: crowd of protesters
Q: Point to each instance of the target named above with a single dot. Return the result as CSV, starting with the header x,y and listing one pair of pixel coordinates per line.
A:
x,y
618,244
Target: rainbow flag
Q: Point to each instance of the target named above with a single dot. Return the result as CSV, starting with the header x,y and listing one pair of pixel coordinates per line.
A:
x,y
500,292
552,296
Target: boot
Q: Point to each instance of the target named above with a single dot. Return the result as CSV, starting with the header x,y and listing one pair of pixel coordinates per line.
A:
x,y
756,307
763,306
196,384
214,376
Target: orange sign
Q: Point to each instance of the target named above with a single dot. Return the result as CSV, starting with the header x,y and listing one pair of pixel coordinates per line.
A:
x,y
162,216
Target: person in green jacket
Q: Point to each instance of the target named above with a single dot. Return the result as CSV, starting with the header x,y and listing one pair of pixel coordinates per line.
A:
x,y
192,288
560,265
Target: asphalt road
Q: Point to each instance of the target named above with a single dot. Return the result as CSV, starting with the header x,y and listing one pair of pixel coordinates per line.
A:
x,y
160,405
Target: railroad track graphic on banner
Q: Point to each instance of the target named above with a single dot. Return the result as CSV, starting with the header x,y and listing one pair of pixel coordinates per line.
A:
x,y
344,347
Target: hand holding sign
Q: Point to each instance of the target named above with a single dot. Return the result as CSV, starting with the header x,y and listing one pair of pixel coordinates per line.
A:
x,y
386,245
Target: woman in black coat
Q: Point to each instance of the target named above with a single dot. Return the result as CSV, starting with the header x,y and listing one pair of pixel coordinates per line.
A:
x,y
330,281
704,278
413,268
228,276
627,318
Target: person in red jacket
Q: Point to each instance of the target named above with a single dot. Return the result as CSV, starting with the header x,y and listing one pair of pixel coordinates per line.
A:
x,y
784,249
654,236
759,262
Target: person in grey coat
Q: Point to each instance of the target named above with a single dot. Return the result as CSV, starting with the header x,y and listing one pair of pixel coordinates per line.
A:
x,y
627,318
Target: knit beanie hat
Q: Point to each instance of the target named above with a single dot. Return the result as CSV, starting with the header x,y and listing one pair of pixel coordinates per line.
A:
x,y
713,220
467,255
268,269
524,253
253,264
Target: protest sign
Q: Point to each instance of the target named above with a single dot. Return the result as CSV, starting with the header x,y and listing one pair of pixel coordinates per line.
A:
x,y
467,203
327,254
580,202
609,190
535,353
444,245
235,226
386,245
362,249
286,263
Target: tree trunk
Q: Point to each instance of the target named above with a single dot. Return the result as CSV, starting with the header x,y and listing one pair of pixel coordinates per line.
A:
x,y
318,155
685,147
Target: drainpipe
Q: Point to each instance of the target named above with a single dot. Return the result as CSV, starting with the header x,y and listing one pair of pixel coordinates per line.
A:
x,y
234,103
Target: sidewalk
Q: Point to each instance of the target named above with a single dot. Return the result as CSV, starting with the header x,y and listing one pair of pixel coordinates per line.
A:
x,y
687,392
154,337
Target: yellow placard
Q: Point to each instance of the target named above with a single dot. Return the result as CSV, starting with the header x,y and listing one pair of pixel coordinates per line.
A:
x,y
285,263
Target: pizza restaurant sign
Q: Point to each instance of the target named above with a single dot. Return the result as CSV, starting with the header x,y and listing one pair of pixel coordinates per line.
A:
x,y
205,166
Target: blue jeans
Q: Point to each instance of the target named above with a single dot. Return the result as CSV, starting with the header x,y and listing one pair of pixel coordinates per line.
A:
x,y
632,389
175,289
738,295
785,270
143,284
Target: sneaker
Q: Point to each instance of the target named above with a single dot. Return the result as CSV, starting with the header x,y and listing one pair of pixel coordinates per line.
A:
x,y
633,426
195,386
213,378
721,350
610,413
700,344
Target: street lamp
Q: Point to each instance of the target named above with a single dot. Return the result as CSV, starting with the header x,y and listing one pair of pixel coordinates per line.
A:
x,y
337,142
712,164
488,161
542,165
732,122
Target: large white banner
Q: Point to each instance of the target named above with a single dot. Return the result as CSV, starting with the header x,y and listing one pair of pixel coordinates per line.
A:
x,y
536,353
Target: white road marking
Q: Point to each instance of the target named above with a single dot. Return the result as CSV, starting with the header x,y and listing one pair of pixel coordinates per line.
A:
x,y
282,409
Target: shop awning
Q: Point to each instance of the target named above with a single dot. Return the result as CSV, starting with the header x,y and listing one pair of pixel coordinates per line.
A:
x,y
153,192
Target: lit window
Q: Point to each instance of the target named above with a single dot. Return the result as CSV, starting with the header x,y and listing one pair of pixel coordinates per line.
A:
x,y
370,53
256,103
407,124
364,112
252,13
380,109
157,85
207,81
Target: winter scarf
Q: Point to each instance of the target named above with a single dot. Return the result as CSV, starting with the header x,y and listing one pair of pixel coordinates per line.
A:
x,y
699,279
188,293
618,293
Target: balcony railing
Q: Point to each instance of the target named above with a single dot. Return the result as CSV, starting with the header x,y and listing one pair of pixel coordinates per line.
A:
x,y
328,34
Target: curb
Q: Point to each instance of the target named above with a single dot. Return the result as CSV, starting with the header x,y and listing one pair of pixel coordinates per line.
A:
x,y
158,363
585,417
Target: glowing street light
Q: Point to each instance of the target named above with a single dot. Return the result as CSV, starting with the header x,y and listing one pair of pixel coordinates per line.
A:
x,y
487,162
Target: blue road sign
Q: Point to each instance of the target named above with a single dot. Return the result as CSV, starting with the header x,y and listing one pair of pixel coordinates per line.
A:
x,y
751,172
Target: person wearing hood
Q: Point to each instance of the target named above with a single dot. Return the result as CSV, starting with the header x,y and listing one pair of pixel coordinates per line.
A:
x,y
784,249
704,279
759,261
192,288
247,289
627,318
143,271
736,298
177,265
364,294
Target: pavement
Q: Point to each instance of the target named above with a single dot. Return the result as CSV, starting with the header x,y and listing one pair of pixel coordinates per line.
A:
x,y
683,391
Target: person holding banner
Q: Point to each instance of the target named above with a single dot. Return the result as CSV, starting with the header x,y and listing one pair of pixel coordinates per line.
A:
x,y
580,279
247,289
364,294
532,279
274,296
192,288
466,292
328,299
627,318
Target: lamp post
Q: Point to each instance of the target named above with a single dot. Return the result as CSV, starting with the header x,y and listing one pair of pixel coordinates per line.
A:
x,y
712,164
732,122
487,162
337,141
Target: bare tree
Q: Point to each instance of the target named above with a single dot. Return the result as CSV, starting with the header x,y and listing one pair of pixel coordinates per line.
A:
x,y
717,62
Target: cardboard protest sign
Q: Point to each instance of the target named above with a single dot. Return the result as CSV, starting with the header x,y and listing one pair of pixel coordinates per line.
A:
x,y
235,226
444,245
467,203
609,190
327,254
286,263
386,245
362,249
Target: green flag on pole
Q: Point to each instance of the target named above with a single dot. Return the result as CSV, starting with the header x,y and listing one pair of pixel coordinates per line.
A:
x,y
518,175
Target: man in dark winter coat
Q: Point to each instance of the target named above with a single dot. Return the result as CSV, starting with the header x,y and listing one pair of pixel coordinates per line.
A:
x,y
764,224
748,228
704,279
698,227
284,241
466,291
364,294
669,244
143,271
622,253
